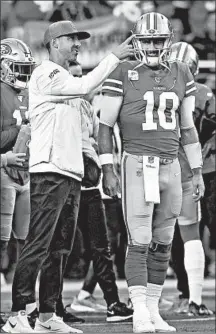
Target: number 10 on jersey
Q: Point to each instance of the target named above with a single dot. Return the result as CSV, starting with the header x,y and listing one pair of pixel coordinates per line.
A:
x,y
166,120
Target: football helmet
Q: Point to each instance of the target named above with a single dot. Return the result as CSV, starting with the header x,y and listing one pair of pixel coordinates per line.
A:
x,y
152,40
185,53
17,63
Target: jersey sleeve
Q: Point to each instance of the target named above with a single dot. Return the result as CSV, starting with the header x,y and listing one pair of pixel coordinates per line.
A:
x,y
8,124
113,85
190,87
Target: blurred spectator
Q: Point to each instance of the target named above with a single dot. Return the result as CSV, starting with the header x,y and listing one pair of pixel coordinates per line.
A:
x,y
21,12
198,16
44,6
193,21
204,39
147,6
178,29
166,8
77,10
181,11
129,9
5,10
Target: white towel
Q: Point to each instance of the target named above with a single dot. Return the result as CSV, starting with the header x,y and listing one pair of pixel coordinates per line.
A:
x,y
151,179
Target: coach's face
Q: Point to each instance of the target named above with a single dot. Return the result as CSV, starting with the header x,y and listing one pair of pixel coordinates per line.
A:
x,y
68,47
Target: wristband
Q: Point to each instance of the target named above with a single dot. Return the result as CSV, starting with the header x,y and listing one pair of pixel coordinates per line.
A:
x,y
106,158
3,160
194,155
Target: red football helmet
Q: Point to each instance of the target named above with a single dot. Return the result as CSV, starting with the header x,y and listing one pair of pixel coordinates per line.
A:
x,y
153,38
185,53
17,63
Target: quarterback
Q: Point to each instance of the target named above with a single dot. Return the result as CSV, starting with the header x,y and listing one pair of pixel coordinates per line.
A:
x,y
190,283
153,102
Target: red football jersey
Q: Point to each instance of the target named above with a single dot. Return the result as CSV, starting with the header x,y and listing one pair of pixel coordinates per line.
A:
x,y
150,111
204,104
13,108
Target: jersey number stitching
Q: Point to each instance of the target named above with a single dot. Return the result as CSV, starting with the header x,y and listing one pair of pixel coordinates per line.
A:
x,y
162,117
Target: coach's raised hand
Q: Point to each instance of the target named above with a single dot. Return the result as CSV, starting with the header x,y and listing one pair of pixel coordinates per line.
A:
x,y
124,50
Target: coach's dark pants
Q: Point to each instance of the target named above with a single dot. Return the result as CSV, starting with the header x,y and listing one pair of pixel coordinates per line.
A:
x,y
54,210
92,222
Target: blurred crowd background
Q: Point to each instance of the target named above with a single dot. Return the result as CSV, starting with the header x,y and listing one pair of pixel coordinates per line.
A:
x,y
110,22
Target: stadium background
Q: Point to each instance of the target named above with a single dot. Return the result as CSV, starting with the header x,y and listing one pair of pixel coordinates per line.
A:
x,y
109,22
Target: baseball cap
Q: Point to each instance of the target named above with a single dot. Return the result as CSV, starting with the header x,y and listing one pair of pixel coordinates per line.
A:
x,y
62,28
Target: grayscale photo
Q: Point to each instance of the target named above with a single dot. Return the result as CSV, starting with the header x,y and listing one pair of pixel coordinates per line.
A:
x,y
108,166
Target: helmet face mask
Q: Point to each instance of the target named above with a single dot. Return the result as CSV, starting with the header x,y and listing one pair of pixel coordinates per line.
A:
x,y
17,63
153,39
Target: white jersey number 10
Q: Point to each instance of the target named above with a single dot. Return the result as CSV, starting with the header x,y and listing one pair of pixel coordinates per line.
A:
x,y
163,118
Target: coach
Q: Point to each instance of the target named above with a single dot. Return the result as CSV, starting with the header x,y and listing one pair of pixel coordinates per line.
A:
x,y
56,168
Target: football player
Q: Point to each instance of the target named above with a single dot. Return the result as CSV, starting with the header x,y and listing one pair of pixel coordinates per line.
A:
x,y
16,68
17,65
191,282
153,102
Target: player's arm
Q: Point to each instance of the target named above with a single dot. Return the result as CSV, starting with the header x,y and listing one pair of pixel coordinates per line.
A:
x,y
191,145
110,107
8,137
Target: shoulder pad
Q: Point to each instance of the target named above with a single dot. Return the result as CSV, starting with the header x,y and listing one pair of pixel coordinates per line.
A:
x,y
204,90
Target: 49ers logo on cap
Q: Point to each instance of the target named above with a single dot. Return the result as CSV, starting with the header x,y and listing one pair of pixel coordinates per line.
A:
x,y
5,49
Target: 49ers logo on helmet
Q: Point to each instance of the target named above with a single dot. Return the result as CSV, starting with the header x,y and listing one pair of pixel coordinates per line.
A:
x,y
5,49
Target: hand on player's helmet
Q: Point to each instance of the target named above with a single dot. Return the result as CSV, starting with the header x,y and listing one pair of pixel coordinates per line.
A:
x,y
198,186
111,185
124,50
15,158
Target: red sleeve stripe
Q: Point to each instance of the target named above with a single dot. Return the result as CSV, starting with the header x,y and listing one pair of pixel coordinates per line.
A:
x,y
118,82
114,89
190,90
190,83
